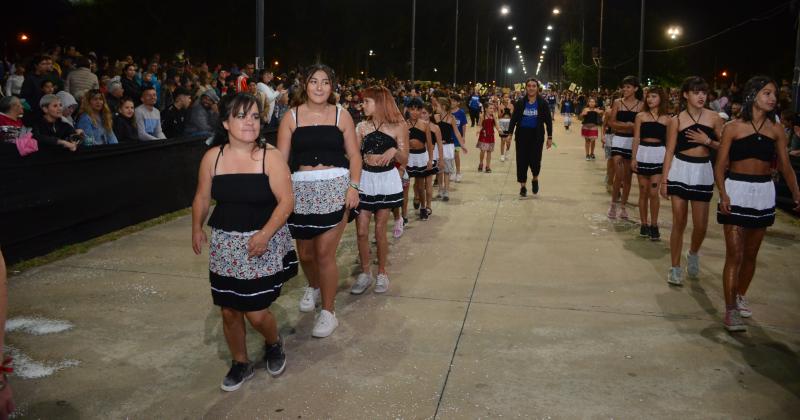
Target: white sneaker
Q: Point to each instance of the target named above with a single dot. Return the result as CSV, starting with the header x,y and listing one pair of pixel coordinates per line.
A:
x,y
692,264
382,284
452,177
502,158
311,298
398,228
326,324
743,307
675,276
363,282
458,177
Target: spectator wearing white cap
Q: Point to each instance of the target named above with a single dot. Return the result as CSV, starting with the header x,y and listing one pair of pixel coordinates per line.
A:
x,y
68,107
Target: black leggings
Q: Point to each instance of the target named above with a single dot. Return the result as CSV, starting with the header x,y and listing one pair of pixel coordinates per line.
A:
x,y
474,116
529,153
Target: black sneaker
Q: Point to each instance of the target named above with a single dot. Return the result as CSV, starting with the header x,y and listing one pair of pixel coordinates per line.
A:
x,y
654,234
644,231
592,157
405,221
535,186
274,357
523,192
423,214
416,205
237,375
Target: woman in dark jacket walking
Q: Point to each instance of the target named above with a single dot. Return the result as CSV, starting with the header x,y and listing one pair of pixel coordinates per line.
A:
x,y
531,116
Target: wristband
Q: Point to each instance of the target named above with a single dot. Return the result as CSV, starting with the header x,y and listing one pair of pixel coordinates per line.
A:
x,y
354,186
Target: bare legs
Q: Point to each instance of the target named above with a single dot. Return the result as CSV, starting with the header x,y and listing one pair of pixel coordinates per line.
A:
x,y
622,179
318,259
649,201
741,250
234,329
680,210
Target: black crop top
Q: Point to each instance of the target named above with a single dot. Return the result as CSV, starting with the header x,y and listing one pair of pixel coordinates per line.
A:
x,y
592,117
415,133
626,116
377,142
314,145
448,136
245,202
652,130
683,141
751,147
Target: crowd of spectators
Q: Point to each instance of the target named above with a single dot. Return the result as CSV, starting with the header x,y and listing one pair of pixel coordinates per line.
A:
x,y
67,99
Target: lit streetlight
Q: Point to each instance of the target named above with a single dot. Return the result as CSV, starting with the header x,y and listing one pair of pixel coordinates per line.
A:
x,y
23,37
724,73
556,11
510,70
514,38
517,46
510,27
549,27
504,10
673,32
544,47
547,39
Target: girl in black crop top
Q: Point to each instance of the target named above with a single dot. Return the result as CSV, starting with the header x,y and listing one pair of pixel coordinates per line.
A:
x,y
251,252
690,136
315,137
649,136
743,175
623,113
384,141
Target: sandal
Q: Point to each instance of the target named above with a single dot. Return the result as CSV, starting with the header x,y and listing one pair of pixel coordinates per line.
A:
x,y
488,170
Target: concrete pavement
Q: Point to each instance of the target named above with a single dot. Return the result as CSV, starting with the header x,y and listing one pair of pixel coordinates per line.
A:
x,y
499,307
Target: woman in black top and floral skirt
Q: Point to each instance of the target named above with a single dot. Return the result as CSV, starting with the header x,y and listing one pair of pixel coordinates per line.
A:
x,y
319,140
251,252
384,142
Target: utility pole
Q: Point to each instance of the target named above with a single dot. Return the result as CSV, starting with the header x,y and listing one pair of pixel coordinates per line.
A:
x,y
475,64
494,69
600,49
413,37
455,54
259,35
641,43
486,79
796,79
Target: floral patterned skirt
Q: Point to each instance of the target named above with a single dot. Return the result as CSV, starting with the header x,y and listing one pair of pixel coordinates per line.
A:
x,y
249,284
319,201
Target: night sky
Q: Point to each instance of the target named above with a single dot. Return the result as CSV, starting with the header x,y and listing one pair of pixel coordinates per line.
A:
x,y
342,32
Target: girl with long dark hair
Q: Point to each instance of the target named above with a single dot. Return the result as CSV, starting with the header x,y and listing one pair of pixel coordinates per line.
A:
x,y
690,179
649,138
743,174
623,114
319,141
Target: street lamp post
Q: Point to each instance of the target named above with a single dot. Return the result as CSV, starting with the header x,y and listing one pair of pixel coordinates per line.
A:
x,y
600,49
413,36
259,35
455,53
641,42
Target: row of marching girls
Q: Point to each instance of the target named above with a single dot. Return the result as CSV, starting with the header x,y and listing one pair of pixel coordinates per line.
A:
x,y
652,143
304,190
433,134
